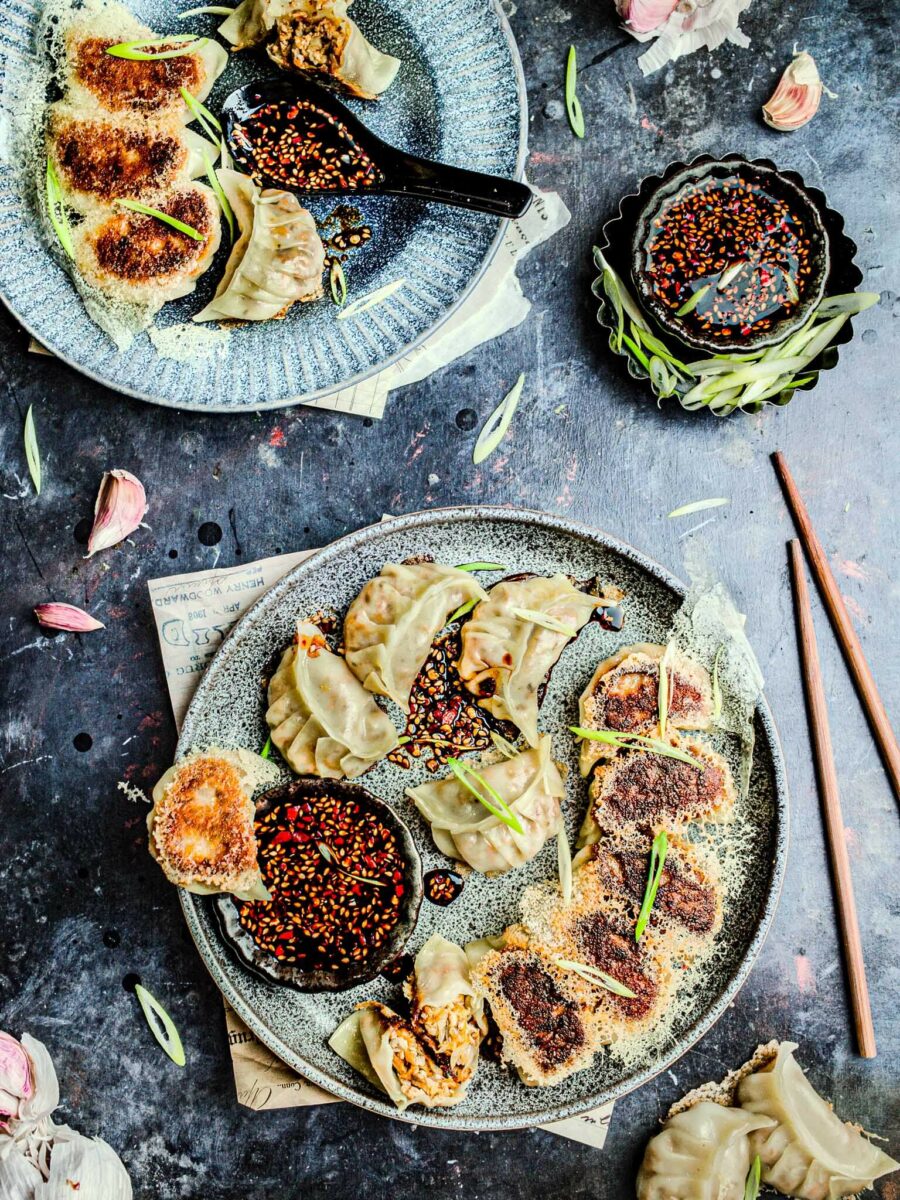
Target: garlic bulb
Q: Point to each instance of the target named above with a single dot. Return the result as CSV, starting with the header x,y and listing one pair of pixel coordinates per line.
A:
x,y
796,99
643,16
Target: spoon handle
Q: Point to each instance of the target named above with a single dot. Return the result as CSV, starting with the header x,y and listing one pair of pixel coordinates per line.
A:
x,y
458,187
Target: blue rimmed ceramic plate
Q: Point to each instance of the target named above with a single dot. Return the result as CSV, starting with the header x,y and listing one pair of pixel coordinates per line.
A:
x,y
227,710
459,97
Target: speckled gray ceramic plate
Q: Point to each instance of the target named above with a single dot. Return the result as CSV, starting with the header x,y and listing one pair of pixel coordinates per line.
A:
x,y
459,97
228,710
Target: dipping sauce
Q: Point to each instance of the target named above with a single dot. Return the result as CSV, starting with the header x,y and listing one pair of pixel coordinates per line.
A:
x,y
336,875
443,887
727,258
303,147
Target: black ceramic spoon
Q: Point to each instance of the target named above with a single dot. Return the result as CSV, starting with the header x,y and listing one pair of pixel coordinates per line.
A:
x,y
293,134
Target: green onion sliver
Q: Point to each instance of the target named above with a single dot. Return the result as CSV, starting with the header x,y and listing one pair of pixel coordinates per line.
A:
x,y
564,861
461,611
654,875
507,749
267,748
729,273
337,281
133,51
754,1176
573,104
716,686
161,1025
370,301
215,183
328,854
636,741
597,977
32,453
211,124
696,506
851,304
217,10
189,230
493,431
545,621
663,688
480,566
499,808
56,211
690,304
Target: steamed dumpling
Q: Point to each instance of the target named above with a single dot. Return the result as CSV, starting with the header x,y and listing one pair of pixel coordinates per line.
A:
x,y
322,719
464,829
506,657
316,37
702,1153
391,624
809,1152
431,1058
277,261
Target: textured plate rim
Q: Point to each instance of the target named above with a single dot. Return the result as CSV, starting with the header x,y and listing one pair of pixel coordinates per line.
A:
x,y
444,1118
369,372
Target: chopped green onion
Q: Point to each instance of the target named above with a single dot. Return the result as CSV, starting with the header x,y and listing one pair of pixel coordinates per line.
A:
x,y
695,506
133,51
32,453
716,687
597,977
636,741
507,749
493,431
637,352
573,104
545,621
461,611
267,748
754,1176
649,342
654,875
218,10
161,1025
691,304
56,211
480,566
338,282
564,861
612,280
370,301
851,304
189,230
219,193
500,809
663,688
212,127
331,858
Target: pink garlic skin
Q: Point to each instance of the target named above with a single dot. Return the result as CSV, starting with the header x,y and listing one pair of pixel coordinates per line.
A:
x,y
119,509
643,16
66,617
796,99
16,1078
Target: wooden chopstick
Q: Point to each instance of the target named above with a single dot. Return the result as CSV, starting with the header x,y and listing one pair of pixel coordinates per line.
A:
x,y
831,808
843,627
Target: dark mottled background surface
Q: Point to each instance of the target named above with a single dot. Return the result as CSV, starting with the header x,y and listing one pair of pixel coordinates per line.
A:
x,y
82,904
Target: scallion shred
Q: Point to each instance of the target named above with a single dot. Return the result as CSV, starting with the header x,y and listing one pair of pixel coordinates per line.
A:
x,y
496,805
495,427
337,281
636,741
56,211
134,52
597,977
161,1025
573,104
695,506
545,621
146,211
658,853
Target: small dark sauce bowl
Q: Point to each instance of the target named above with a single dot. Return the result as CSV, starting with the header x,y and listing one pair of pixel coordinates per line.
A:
x,y
265,965
777,185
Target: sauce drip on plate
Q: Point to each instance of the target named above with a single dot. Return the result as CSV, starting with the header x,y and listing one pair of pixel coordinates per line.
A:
x,y
443,887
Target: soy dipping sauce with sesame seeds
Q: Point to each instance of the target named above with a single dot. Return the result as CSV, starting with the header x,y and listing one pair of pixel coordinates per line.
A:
x,y
301,146
735,253
443,887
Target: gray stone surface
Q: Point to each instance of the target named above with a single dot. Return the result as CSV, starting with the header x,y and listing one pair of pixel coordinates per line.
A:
x,y
586,442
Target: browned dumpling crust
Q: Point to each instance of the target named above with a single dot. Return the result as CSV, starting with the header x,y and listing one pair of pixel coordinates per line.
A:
x,y
108,161
126,85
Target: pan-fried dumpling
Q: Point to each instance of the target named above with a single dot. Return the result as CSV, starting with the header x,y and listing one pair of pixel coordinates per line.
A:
x,y
316,37
99,159
322,719
623,696
277,261
702,1153
152,89
391,624
139,259
201,825
464,829
431,1058
809,1152
506,657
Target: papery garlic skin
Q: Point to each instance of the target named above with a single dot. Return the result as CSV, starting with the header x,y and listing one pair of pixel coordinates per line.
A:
x,y
119,509
796,100
85,1166
66,617
643,16
16,1078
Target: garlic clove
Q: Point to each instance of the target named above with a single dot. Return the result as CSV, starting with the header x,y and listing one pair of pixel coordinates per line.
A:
x,y
643,16
118,511
16,1078
795,100
66,617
